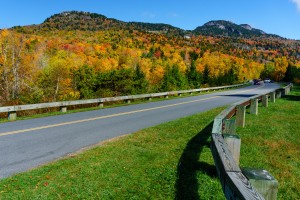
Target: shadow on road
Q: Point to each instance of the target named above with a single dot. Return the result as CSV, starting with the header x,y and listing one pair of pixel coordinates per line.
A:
x,y
189,165
239,95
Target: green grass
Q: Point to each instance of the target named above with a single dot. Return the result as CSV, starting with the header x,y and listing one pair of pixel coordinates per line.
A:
x,y
169,161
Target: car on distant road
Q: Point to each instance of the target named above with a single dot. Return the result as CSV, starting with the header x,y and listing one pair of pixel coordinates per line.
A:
x,y
257,82
267,80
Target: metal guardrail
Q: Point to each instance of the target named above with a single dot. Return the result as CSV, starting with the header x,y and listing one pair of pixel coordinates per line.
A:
x,y
225,148
12,110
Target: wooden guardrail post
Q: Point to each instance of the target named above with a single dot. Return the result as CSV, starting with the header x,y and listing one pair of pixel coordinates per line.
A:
x,y
285,92
233,142
12,116
63,109
263,182
217,127
229,126
240,115
265,100
278,94
273,97
101,105
254,107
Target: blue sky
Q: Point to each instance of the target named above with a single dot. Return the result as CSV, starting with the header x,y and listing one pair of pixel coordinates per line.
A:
x,y
280,17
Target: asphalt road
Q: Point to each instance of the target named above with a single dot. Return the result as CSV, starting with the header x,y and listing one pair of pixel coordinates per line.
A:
x,y
29,143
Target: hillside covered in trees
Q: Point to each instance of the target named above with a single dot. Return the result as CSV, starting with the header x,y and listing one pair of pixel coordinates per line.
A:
x,y
78,55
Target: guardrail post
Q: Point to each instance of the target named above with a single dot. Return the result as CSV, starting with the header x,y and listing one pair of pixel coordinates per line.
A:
x,y
217,127
166,96
229,126
12,116
233,142
254,107
278,94
63,109
285,91
128,101
101,105
150,99
263,182
265,100
240,115
273,97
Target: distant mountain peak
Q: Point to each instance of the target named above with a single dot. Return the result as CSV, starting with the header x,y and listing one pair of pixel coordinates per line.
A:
x,y
229,29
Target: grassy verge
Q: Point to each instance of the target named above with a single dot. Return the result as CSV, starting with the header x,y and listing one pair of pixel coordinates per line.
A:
x,y
169,161
271,141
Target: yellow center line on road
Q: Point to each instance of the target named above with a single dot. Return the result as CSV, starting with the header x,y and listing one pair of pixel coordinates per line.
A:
x,y
110,116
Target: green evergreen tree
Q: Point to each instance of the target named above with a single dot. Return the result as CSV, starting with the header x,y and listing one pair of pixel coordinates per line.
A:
x,y
174,80
194,78
84,81
140,83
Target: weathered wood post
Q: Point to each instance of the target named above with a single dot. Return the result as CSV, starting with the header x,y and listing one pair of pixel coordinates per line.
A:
x,y
101,105
263,182
12,116
218,126
229,126
273,97
285,91
233,142
254,107
63,109
240,115
265,100
278,94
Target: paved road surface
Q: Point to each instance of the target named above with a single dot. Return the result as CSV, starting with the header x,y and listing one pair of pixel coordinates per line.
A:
x,y
30,143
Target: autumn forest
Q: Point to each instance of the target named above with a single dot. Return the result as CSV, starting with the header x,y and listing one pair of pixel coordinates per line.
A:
x,y
55,63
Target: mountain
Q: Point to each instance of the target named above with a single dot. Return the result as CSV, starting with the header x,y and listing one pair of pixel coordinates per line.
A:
x,y
227,28
85,21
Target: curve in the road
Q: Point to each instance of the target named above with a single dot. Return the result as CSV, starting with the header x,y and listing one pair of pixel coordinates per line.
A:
x,y
29,143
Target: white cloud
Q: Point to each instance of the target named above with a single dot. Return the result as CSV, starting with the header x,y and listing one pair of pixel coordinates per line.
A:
x,y
297,2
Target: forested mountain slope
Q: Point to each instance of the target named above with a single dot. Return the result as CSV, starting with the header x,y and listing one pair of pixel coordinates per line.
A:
x,y
76,55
